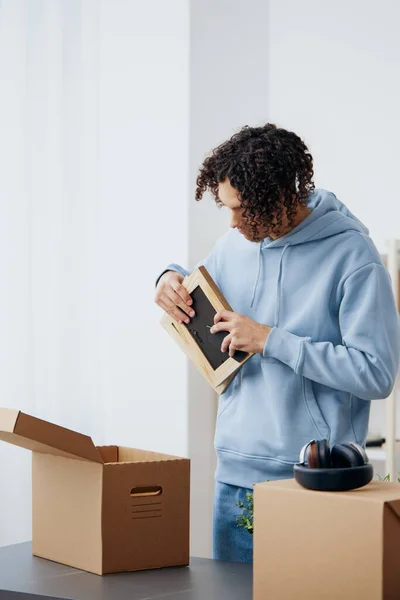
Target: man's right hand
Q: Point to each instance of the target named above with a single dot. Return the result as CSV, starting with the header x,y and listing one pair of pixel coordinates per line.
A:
x,y
172,297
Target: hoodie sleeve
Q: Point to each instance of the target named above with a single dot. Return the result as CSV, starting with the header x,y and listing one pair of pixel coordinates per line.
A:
x,y
210,263
366,362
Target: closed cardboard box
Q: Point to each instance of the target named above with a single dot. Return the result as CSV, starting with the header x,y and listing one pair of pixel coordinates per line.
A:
x,y
102,509
310,545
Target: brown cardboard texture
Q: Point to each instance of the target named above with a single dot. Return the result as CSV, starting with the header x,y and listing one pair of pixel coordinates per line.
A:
x,y
102,509
330,545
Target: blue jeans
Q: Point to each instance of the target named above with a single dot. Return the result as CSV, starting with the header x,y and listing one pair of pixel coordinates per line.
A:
x,y
230,542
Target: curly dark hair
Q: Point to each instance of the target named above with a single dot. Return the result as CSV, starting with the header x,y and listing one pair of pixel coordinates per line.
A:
x,y
269,166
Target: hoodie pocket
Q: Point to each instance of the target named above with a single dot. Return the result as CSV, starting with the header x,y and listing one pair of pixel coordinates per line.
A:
x,y
270,412
314,410
229,394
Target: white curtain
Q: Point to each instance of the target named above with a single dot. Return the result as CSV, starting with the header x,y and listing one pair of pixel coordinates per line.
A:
x,y
93,167
49,344
49,151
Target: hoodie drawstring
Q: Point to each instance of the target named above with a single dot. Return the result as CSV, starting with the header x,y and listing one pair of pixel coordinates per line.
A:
x,y
258,275
278,286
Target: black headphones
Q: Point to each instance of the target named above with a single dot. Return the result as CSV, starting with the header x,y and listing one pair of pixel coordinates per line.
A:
x,y
345,467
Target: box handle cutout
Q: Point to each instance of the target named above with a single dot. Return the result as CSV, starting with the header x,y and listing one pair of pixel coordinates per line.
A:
x,y
150,490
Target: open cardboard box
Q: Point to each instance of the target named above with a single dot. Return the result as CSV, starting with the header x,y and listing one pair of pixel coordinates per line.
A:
x,y
329,545
102,509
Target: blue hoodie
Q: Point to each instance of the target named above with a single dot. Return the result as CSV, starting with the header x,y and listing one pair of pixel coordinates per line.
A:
x,y
333,347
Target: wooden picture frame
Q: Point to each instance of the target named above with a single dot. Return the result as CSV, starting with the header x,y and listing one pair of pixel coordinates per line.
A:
x,y
201,347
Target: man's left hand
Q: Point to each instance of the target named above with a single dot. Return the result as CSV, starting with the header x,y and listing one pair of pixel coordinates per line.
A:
x,y
244,333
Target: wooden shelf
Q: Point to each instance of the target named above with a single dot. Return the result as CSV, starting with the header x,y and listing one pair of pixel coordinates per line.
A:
x,y
379,452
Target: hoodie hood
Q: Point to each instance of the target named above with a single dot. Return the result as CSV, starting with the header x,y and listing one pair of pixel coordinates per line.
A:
x,y
329,217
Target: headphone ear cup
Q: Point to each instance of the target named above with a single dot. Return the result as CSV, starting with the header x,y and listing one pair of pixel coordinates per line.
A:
x,y
345,455
324,454
318,454
312,457
361,451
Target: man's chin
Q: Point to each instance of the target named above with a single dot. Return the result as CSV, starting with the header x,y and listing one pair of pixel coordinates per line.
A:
x,y
250,237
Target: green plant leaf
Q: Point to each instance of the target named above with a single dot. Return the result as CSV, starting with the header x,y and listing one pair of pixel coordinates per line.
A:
x,y
386,478
246,518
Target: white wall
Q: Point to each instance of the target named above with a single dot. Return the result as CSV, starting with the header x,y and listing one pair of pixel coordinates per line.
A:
x,y
143,164
333,78
93,147
228,89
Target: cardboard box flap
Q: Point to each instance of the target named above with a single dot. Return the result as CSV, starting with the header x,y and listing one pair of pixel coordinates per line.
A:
x,y
37,435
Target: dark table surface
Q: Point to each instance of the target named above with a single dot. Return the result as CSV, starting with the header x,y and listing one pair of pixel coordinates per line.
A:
x,y
23,576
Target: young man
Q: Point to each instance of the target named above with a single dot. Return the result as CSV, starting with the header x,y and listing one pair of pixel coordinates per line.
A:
x,y
311,298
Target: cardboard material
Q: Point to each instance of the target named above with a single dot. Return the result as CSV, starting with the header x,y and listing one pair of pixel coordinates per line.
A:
x,y
329,545
102,509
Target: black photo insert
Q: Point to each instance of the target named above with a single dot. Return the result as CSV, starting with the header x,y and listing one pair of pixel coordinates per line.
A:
x,y
199,328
